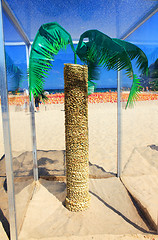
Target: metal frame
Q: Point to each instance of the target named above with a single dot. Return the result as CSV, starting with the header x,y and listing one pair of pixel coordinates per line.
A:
x,y
6,121
119,169
24,36
123,37
14,44
7,137
35,164
140,22
118,100
15,22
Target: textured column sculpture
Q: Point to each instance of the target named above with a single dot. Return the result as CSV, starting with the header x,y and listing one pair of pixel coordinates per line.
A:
x,y
76,136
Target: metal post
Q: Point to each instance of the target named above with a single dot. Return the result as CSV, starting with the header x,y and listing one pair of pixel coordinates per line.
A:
x,y
15,21
118,98
118,124
6,134
33,127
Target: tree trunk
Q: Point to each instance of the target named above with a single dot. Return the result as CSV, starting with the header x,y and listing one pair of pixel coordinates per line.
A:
x,y
76,137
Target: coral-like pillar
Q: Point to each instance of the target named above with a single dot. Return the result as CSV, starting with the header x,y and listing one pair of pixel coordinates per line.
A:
x,y
76,136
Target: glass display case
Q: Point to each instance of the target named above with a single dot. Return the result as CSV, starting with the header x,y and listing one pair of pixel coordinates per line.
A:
x,y
122,142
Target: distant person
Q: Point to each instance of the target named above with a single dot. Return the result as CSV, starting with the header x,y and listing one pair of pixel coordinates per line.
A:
x,y
26,94
37,102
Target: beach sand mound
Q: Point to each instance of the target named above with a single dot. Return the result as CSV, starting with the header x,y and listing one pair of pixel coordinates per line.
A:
x,y
140,178
47,218
51,165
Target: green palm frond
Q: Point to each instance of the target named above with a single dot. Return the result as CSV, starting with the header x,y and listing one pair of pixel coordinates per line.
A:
x,y
91,87
135,52
134,93
102,50
94,49
49,40
111,53
93,71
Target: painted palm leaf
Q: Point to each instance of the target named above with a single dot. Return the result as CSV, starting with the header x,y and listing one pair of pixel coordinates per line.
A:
x,y
91,87
96,48
134,93
135,52
49,40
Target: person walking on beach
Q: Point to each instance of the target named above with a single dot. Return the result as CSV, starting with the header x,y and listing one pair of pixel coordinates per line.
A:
x,y
26,94
37,102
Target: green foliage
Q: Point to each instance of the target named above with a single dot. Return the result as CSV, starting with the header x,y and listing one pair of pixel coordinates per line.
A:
x,y
91,87
49,40
135,52
135,89
113,54
94,49
43,96
102,50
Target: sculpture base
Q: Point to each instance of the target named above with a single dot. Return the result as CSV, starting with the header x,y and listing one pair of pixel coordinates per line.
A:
x,y
77,206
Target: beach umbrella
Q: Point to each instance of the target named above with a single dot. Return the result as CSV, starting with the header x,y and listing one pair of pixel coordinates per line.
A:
x,y
95,49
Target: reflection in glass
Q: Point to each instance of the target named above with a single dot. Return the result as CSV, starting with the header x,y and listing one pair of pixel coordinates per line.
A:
x,y
20,127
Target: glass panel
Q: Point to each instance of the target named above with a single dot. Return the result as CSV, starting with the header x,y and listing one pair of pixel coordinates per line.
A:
x,y
4,212
103,123
78,16
50,125
20,126
146,33
115,18
141,120
139,126
131,12
10,33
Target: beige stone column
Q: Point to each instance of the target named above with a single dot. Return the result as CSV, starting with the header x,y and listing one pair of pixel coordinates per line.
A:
x,y
76,137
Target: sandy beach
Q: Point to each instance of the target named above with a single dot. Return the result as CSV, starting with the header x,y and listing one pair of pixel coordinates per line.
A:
x,y
123,208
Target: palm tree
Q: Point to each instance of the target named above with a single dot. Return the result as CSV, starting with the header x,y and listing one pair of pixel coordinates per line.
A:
x,y
94,49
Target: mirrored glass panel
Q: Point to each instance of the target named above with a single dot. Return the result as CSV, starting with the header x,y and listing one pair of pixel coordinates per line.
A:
x,y
20,129
76,17
139,132
4,212
102,122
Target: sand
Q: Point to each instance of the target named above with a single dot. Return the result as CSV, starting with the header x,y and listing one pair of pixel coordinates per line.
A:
x,y
112,214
